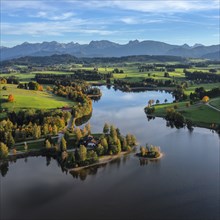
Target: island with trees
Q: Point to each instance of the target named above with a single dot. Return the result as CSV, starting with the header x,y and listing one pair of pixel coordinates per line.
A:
x,y
97,148
150,152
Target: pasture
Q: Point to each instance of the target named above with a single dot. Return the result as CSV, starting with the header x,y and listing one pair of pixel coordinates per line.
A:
x,y
26,99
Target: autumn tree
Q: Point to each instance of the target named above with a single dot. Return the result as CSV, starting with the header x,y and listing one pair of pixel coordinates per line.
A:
x,y
78,134
9,140
54,130
3,150
40,88
36,131
47,144
143,151
88,128
150,102
63,144
11,98
205,99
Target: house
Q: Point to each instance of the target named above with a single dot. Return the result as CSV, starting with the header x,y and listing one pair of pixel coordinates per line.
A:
x,y
89,142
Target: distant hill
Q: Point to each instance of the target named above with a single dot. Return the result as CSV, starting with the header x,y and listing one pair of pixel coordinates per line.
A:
x,y
67,59
212,56
106,48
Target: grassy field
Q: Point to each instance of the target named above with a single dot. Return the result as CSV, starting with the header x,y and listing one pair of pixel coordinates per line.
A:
x,y
201,114
215,102
207,86
23,77
31,99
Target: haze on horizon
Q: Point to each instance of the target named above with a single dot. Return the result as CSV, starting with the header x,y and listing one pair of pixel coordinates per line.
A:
x,y
171,21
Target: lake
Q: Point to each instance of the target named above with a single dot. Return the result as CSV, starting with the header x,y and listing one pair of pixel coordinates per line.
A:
x,y
184,184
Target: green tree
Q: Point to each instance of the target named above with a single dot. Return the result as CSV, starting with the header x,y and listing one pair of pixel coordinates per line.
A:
x,y
78,134
104,143
113,132
118,132
92,155
129,139
71,158
82,153
3,150
133,140
124,144
106,128
100,150
118,145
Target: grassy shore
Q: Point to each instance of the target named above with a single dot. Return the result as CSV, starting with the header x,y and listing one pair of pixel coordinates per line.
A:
x,y
200,114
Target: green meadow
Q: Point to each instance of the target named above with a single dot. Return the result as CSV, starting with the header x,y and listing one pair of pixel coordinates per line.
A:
x,y
201,114
215,103
31,99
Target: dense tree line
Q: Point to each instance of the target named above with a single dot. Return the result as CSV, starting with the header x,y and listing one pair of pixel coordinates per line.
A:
x,y
200,92
9,80
125,85
67,59
87,75
204,77
30,86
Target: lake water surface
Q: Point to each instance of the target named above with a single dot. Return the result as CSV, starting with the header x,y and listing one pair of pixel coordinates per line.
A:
x,y
184,184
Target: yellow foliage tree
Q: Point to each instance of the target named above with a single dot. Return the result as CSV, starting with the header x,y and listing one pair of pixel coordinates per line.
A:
x,y
205,99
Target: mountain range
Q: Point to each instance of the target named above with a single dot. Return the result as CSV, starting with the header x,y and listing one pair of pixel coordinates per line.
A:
x,y
106,48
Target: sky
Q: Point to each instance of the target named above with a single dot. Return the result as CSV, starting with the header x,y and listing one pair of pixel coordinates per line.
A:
x,y
171,21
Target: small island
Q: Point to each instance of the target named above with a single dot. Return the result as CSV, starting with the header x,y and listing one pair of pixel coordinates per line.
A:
x,y
96,149
150,152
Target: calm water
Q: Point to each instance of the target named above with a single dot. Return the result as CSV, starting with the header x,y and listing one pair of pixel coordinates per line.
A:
x,y
184,184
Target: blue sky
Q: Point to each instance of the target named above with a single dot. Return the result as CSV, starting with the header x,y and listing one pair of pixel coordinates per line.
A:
x,y
170,21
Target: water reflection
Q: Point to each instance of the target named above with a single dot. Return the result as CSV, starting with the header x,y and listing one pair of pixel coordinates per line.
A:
x,y
184,184
4,168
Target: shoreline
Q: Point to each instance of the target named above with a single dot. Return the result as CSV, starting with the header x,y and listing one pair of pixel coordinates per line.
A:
x,y
103,160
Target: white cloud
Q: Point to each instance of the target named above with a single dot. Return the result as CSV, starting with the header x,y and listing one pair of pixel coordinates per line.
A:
x,y
28,4
53,28
167,6
51,16
143,20
152,6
